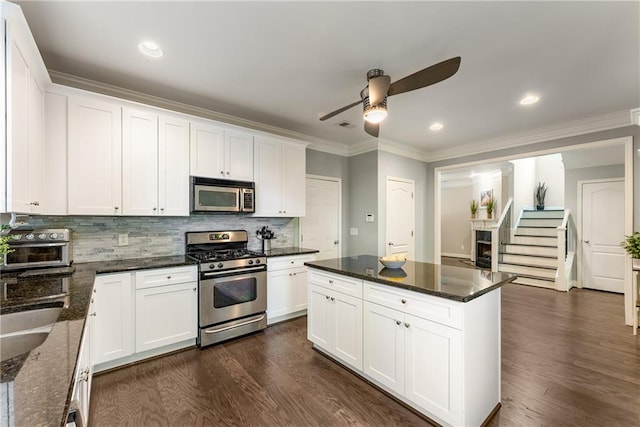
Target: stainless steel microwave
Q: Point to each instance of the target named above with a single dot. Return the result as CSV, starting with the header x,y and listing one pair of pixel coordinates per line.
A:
x,y
221,195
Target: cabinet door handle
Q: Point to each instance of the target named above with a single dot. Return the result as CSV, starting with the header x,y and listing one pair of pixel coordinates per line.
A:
x,y
161,209
333,299
326,296
406,325
331,282
222,173
116,207
93,314
195,289
36,203
227,172
404,301
398,322
169,277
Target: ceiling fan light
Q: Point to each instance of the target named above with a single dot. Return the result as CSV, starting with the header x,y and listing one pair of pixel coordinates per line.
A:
x,y
375,114
150,49
529,99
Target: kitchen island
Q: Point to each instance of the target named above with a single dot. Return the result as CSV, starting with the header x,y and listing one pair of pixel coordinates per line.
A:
x,y
427,334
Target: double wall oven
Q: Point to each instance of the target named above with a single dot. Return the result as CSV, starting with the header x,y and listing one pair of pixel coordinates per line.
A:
x,y
232,295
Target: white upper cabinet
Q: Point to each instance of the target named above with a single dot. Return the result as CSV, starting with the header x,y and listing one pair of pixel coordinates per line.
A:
x,y
173,166
24,79
238,149
155,162
279,172
139,162
95,156
217,152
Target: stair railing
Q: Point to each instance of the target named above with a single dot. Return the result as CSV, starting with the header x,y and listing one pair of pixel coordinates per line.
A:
x,y
567,244
501,233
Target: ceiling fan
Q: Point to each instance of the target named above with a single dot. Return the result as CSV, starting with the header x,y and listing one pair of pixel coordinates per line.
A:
x,y
374,96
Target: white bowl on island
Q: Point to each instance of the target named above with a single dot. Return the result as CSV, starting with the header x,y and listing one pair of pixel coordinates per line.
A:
x,y
393,261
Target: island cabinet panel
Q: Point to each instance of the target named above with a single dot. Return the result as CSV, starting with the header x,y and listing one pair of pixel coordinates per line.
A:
x,y
433,368
286,287
335,324
437,354
384,346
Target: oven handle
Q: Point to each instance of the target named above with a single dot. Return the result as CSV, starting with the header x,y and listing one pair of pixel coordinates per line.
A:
x,y
37,245
226,328
222,273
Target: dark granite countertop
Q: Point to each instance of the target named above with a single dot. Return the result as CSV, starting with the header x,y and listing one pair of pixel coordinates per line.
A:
x,y
454,283
291,250
42,380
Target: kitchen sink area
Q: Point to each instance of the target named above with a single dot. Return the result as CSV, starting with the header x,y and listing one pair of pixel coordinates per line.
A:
x,y
22,331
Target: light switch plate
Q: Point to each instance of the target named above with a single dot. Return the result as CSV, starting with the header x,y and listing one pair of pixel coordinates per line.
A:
x,y
369,218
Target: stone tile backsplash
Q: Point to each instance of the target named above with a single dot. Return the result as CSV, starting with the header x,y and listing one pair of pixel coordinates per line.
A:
x,y
95,238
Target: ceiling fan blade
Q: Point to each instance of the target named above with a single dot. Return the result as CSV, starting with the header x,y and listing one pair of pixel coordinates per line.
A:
x,y
378,87
339,110
430,75
372,129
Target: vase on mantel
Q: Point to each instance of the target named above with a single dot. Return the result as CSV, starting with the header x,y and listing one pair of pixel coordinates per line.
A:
x,y
489,215
473,216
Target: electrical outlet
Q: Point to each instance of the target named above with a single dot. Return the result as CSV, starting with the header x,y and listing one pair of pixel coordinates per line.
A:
x,y
353,231
123,239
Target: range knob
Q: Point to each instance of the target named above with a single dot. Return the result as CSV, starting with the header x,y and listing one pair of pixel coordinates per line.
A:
x,y
212,266
220,265
53,236
258,261
42,236
250,261
29,236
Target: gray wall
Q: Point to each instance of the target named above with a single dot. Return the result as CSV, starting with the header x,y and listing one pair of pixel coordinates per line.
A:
x,y
392,165
325,164
633,131
95,238
456,229
363,199
572,176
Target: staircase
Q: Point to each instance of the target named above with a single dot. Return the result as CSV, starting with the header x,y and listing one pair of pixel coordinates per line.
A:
x,y
532,252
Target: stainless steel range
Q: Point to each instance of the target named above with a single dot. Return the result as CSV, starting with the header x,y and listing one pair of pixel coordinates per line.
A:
x,y
232,295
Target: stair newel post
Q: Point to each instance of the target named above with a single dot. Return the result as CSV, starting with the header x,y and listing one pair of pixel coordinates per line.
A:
x,y
561,283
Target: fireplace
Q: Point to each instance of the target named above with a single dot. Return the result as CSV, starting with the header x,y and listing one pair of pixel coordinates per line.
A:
x,y
483,249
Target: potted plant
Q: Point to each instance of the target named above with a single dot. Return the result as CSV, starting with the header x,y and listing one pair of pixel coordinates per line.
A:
x,y
631,244
540,194
4,245
473,207
491,206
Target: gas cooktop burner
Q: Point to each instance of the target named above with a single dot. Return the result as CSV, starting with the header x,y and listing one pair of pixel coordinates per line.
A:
x,y
224,255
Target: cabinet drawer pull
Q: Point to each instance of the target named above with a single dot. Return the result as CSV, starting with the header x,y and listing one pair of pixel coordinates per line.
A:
x,y
155,209
169,277
93,314
398,322
333,299
331,282
326,297
406,325
195,289
404,301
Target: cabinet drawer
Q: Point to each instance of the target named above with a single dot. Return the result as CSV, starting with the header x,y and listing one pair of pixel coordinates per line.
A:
x,y
344,284
165,276
428,307
280,263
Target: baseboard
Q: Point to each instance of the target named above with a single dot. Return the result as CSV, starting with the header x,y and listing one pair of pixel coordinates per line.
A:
x,y
451,255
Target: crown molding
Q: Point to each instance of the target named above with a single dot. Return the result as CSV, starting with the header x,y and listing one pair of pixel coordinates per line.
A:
x,y
564,130
156,101
400,149
635,116
362,147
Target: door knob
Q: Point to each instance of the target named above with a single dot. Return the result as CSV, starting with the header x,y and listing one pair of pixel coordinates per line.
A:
x,y
335,242
586,241
390,243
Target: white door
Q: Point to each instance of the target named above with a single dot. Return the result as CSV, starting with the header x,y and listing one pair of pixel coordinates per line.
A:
x,y
602,231
400,217
320,227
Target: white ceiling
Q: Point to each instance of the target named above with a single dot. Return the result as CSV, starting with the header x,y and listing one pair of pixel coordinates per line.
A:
x,y
286,63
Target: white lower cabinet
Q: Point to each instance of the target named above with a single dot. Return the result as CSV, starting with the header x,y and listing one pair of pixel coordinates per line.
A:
x,y
287,287
144,313
335,324
114,317
440,356
166,315
83,375
416,358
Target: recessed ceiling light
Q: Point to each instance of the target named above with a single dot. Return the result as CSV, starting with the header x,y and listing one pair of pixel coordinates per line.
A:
x,y
529,99
151,49
436,126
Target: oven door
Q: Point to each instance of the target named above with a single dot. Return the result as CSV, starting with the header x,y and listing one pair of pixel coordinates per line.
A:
x,y
37,255
224,296
208,198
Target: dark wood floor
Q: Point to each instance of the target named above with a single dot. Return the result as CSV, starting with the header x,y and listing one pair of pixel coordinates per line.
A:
x,y
567,360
